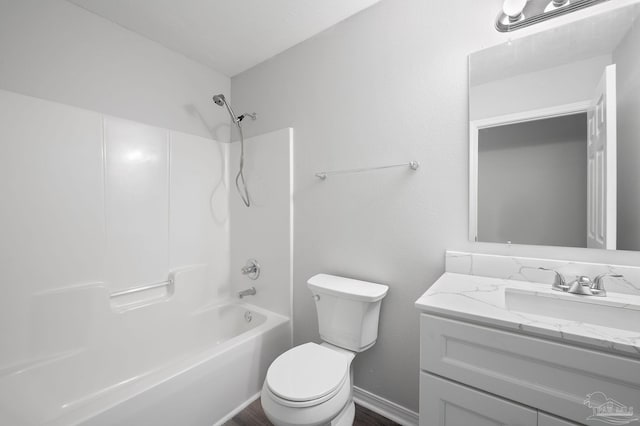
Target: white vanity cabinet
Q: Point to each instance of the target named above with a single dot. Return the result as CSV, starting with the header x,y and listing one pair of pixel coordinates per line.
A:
x,y
479,375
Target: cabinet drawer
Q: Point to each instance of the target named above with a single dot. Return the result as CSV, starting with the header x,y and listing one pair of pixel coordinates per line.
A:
x,y
445,403
554,377
545,419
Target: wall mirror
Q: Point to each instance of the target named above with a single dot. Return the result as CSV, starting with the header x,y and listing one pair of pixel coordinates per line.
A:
x,y
554,125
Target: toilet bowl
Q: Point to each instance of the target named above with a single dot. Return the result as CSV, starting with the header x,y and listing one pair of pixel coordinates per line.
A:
x,y
312,384
309,385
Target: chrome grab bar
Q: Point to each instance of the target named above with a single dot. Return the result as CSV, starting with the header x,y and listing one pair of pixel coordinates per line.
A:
x,y
133,290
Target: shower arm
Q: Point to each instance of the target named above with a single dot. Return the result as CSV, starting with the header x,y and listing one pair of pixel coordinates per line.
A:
x,y
238,118
247,114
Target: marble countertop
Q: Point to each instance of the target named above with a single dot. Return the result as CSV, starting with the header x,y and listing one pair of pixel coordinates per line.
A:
x,y
481,300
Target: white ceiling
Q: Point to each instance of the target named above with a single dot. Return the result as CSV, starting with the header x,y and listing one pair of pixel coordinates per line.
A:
x,y
229,36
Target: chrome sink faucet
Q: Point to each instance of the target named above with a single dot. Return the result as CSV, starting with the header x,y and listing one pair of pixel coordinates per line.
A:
x,y
582,285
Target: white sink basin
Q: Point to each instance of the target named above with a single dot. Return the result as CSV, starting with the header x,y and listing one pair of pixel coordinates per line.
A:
x,y
610,311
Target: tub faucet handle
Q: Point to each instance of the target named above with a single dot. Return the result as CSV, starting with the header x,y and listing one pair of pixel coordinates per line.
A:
x,y
251,269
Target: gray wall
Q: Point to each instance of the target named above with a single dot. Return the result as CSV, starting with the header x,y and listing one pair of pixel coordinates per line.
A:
x,y
387,85
627,61
55,50
532,182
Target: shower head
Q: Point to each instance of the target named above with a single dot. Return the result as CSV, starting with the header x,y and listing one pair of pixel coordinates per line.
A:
x,y
219,99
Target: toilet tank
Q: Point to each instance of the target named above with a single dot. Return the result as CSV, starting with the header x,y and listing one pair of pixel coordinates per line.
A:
x,y
348,310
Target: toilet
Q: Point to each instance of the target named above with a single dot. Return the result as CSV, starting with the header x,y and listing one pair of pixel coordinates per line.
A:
x,y
312,384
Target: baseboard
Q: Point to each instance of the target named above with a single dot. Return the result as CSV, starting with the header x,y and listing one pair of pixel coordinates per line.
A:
x,y
373,402
384,407
236,410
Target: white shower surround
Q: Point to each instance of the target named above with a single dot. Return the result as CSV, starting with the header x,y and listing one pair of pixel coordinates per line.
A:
x,y
96,205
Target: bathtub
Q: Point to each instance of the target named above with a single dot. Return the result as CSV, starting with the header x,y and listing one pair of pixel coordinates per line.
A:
x,y
140,368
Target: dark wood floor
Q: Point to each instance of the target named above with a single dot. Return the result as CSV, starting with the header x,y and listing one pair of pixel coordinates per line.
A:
x,y
253,415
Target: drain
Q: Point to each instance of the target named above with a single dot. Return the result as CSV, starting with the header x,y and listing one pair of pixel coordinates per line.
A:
x,y
248,316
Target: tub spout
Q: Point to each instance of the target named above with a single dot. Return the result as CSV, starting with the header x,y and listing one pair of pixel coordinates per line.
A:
x,y
248,292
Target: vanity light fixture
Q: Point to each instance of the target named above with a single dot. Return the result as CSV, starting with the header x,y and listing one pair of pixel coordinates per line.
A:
x,y
517,14
555,4
513,9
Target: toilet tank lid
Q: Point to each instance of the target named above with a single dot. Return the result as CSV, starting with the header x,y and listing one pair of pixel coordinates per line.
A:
x,y
364,291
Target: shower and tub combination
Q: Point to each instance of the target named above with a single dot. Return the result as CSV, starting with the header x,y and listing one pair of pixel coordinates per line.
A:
x,y
90,337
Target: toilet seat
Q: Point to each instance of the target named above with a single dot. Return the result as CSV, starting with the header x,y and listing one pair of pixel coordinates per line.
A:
x,y
320,414
303,404
307,375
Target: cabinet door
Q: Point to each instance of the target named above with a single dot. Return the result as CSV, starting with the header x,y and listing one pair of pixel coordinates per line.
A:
x,y
545,419
446,403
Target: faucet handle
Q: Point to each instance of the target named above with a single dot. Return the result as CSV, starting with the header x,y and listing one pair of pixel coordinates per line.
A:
x,y
251,269
559,283
597,287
